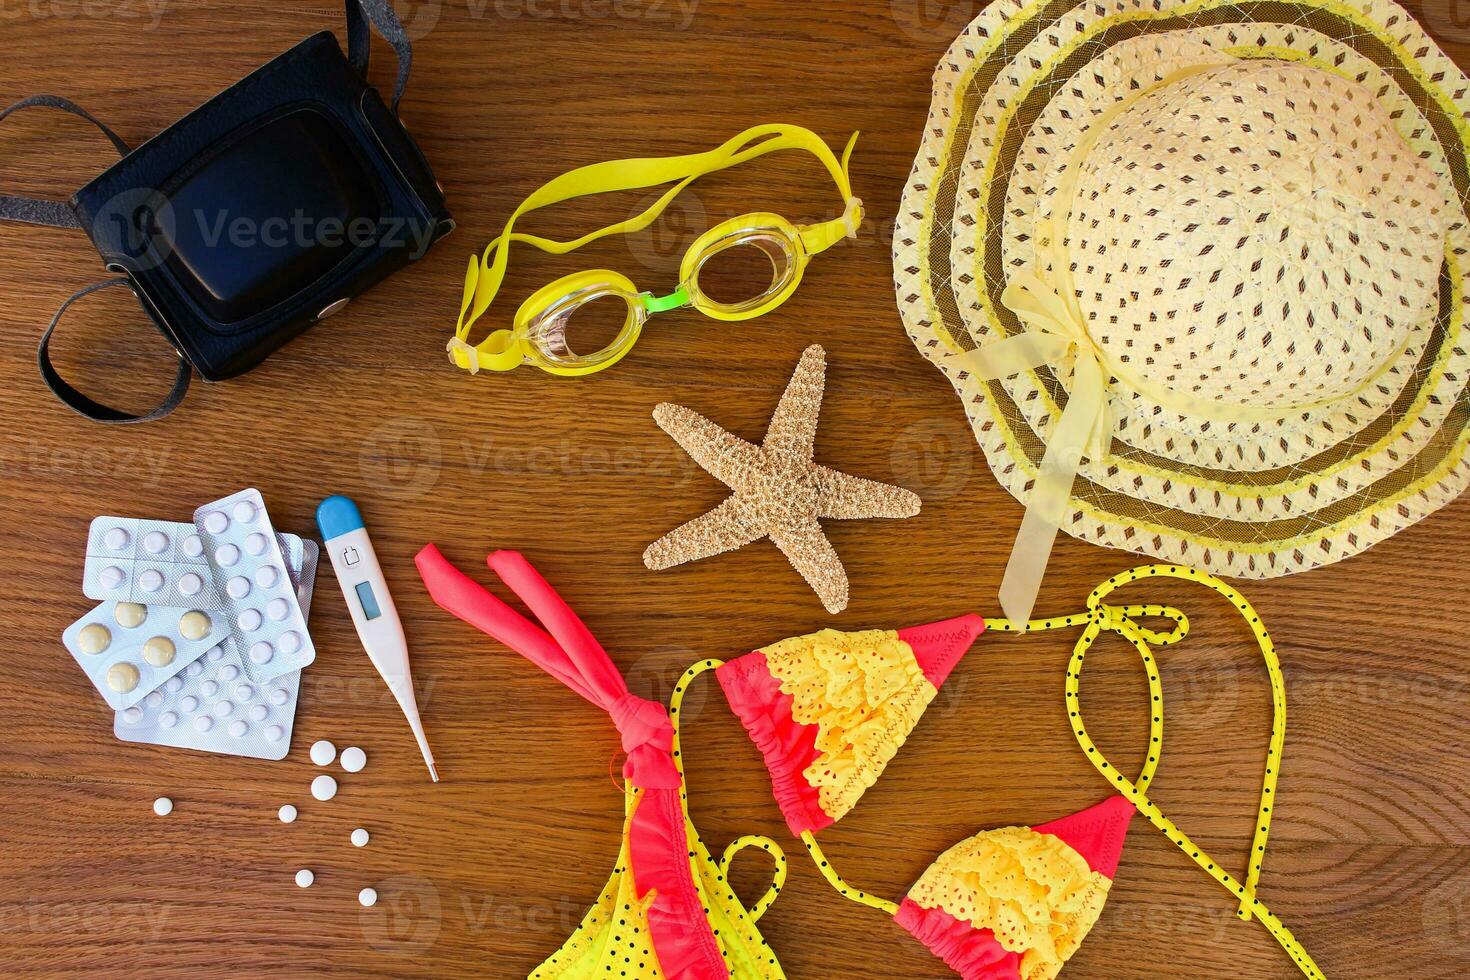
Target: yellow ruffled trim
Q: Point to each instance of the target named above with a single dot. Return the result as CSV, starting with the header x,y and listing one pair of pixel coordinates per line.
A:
x,y
864,692
1036,894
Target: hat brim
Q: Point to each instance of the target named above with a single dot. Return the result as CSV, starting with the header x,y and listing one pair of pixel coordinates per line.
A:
x,y
1251,500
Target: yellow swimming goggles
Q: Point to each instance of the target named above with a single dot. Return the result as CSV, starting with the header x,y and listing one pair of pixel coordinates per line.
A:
x,y
539,335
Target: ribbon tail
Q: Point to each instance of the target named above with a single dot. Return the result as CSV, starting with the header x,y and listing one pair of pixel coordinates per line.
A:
x,y
1015,354
1075,433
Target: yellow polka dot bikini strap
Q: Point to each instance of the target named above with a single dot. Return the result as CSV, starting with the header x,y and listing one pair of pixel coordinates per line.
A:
x,y
778,856
1101,617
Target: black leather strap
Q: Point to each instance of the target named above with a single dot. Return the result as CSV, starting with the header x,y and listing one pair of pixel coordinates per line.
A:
x,y
80,403
359,39
53,213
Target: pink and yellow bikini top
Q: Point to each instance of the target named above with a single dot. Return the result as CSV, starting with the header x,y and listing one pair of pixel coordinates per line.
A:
x,y
827,712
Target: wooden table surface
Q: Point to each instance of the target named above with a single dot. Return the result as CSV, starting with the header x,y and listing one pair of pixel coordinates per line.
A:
x,y
487,872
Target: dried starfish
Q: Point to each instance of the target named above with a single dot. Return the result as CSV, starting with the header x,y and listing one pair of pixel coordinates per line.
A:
x,y
778,491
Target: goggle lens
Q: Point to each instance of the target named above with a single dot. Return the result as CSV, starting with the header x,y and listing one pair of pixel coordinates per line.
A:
x,y
742,272
586,328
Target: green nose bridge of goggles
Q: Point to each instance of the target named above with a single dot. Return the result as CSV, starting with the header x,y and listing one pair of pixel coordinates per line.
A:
x,y
539,335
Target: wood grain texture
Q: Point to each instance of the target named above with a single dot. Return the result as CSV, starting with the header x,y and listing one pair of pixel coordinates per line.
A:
x,y
486,873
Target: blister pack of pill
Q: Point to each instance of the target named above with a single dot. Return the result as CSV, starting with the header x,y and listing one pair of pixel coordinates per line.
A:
x,y
127,649
215,705
152,562
243,554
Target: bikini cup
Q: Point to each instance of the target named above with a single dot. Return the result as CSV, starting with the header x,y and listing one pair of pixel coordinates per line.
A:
x,y
829,710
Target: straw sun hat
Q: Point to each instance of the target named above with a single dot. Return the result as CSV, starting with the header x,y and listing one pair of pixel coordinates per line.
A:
x,y
1197,271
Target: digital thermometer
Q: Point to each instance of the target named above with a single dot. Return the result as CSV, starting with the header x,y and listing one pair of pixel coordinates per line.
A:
x,y
346,540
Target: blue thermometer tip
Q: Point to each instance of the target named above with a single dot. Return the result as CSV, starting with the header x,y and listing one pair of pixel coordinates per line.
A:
x,y
337,516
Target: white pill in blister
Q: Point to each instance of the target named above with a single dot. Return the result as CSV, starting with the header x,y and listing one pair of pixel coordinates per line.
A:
x,y
353,759
203,723
229,672
154,699
369,897
116,539
259,712
215,653
278,609
216,521
227,555
224,708
289,641
275,733
194,669
244,691
151,580
189,703
255,543
244,511
209,689
249,620
154,542
359,837
304,877
190,584
168,719
111,577
163,806
133,715
287,813
238,728
172,685
279,696
261,652
193,546
324,788
238,587
266,576
323,752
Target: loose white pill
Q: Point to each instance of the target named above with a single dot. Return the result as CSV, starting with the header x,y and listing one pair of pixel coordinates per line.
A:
x,y
203,723
255,543
353,759
168,719
238,587
116,539
133,715
111,577
227,555
190,584
368,897
259,712
151,580
304,877
278,609
244,511
189,704
323,752
261,652
193,546
289,642
279,696
359,837
249,620
154,542
275,733
224,707
238,728
266,576
324,788
216,521
163,806
287,813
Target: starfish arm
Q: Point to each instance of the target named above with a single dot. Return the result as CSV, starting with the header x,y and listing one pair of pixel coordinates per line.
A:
x,y
811,554
793,428
847,497
722,529
722,455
